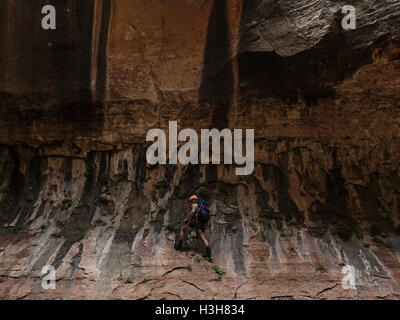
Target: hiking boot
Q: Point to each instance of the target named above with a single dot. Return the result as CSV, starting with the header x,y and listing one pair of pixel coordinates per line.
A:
x,y
178,245
208,254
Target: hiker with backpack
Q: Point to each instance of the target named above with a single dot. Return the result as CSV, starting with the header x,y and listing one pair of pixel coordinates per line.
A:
x,y
197,218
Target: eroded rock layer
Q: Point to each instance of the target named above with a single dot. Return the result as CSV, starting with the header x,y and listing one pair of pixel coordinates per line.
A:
x,y
76,191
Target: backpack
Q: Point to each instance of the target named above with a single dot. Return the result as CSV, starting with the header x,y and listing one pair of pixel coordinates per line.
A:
x,y
202,213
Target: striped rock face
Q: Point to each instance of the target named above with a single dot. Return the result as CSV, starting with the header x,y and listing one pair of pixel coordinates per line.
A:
x,y
319,218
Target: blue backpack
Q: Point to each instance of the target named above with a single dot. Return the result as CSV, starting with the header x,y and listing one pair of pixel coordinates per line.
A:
x,y
202,213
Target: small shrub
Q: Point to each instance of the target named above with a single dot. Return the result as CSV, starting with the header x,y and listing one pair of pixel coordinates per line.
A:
x,y
66,204
321,230
129,280
203,191
145,280
378,240
56,234
154,196
100,200
105,181
267,214
197,259
389,246
89,172
100,222
263,235
374,230
218,270
162,208
171,227
163,183
320,267
189,267
29,221
343,231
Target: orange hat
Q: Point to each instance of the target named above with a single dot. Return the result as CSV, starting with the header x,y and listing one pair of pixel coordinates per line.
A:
x,y
191,198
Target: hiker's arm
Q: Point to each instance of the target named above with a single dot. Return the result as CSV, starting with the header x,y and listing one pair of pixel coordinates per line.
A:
x,y
189,216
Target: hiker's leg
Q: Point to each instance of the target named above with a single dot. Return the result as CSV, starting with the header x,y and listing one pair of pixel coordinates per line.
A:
x,y
183,230
203,238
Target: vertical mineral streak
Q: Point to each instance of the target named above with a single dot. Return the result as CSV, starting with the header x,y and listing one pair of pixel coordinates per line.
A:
x,y
101,27
234,12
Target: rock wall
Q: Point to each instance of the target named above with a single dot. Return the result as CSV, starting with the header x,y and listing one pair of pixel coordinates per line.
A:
x,y
76,192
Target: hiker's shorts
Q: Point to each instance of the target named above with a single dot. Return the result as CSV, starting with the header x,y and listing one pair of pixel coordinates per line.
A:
x,y
200,226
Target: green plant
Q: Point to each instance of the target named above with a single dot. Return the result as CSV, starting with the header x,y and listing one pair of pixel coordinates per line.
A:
x,y
127,209
378,240
321,230
203,191
172,227
43,227
105,181
154,197
262,258
162,183
218,270
232,218
145,280
320,267
66,204
89,172
56,234
162,208
390,246
120,278
129,280
189,267
29,221
100,222
100,200
267,214
263,235
374,230
197,259
343,231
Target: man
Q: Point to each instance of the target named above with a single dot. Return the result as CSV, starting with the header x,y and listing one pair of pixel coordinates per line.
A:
x,y
192,222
